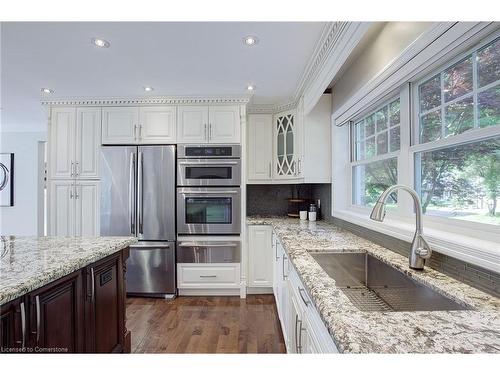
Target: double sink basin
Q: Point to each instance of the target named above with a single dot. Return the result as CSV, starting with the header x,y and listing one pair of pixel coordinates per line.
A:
x,y
372,285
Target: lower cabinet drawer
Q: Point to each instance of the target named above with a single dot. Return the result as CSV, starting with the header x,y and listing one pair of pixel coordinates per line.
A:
x,y
223,275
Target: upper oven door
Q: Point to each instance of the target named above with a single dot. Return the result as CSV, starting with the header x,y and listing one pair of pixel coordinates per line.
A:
x,y
208,210
208,172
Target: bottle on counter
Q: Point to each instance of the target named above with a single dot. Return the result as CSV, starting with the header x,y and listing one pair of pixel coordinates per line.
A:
x,y
312,212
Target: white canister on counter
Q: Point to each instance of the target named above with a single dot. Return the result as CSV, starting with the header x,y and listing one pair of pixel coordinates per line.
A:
x,y
303,215
312,216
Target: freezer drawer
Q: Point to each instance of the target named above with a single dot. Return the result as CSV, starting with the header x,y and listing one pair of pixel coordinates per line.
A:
x,y
151,269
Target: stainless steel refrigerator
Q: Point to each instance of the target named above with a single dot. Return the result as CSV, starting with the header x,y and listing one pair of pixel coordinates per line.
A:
x,y
138,199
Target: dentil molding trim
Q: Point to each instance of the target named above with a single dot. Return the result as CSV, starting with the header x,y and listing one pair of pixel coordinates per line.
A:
x,y
157,100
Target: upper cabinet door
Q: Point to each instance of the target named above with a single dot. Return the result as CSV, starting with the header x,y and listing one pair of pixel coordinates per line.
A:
x,y
192,124
260,147
87,208
157,125
61,208
286,156
62,143
120,125
224,124
88,142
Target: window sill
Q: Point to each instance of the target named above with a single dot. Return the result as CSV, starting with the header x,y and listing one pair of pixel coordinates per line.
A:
x,y
483,253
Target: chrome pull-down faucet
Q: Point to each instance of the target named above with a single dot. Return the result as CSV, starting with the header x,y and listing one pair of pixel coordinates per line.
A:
x,y
420,249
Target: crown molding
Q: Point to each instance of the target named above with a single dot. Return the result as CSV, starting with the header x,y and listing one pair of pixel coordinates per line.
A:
x,y
157,100
337,41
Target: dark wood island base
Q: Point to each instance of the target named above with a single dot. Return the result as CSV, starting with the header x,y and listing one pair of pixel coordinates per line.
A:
x,y
83,312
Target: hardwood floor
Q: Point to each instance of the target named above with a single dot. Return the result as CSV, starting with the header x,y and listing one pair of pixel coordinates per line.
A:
x,y
205,325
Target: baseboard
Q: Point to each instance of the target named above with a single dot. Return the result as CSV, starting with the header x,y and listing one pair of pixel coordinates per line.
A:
x,y
209,292
260,290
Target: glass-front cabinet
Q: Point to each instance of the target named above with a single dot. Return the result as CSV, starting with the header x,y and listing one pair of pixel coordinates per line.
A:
x,y
286,158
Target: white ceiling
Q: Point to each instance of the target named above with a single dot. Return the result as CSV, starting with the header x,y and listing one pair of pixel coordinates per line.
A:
x,y
187,58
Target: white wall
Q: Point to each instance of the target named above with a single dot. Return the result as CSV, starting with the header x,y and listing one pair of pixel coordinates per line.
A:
x,y
382,46
21,219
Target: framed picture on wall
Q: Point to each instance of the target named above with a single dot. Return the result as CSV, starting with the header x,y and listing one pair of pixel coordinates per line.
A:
x,y
6,179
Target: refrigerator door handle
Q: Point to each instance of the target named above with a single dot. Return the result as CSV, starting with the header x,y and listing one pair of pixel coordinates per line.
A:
x,y
131,205
140,191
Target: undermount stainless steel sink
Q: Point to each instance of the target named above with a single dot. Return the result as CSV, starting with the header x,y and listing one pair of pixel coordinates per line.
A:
x,y
372,285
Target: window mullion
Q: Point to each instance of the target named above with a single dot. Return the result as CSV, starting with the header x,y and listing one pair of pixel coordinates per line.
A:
x,y
443,118
474,90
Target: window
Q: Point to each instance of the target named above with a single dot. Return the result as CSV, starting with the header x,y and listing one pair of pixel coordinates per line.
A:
x,y
458,175
376,145
462,97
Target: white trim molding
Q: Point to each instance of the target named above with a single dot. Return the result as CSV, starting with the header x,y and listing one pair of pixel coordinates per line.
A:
x,y
336,43
157,100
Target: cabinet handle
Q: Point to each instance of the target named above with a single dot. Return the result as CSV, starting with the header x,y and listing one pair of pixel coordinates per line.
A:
x,y
71,192
72,167
77,173
92,286
135,131
299,346
301,291
209,131
206,134
76,193
208,276
37,299
23,325
283,267
140,131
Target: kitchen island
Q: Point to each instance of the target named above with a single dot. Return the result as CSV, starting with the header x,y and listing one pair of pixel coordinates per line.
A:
x,y
63,294
476,330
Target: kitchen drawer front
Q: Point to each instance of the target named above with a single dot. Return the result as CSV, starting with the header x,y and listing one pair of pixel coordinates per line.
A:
x,y
222,275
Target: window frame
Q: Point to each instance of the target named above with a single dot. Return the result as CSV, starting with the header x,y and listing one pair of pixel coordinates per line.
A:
x,y
353,149
415,83
470,136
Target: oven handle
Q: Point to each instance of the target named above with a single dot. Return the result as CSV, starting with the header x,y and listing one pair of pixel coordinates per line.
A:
x,y
197,244
201,193
208,163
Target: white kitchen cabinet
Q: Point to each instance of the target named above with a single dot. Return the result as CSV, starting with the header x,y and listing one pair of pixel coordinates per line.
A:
x,y
61,208
287,151
300,150
120,125
157,125
224,124
192,124
208,275
86,198
61,142
73,208
281,288
260,147
208,124
74,142
87,143
260,256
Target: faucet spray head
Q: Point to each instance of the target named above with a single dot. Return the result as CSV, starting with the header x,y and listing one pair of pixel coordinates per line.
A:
x,y
378,211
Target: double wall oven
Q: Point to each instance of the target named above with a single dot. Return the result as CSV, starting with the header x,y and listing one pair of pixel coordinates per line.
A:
x,y
208,203
208,189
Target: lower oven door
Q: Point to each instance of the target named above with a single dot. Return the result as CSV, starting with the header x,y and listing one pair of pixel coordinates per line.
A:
x,y
208,252
209,210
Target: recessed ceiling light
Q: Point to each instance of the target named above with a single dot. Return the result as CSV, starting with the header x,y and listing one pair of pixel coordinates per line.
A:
x,y
148,88
46,90
250,40
101,43
250,87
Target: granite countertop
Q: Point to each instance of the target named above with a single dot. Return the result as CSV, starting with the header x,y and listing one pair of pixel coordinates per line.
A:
x,y
356,331
27,263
